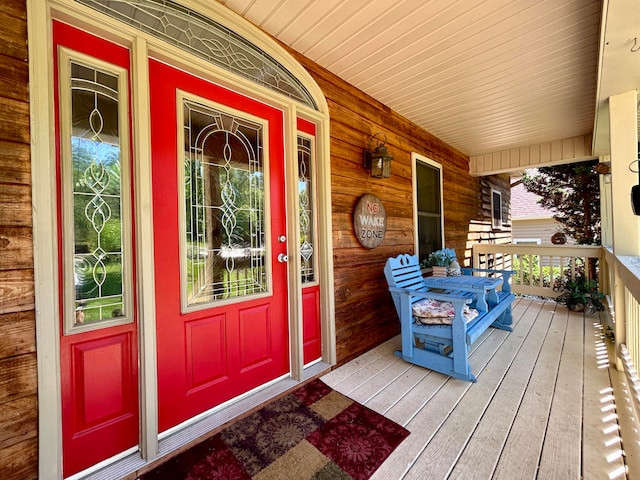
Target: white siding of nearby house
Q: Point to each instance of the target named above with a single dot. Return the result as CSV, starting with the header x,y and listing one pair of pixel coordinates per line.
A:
x,y
531,229
530,221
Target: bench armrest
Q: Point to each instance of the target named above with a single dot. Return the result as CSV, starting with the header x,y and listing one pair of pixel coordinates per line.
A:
x,y
443,297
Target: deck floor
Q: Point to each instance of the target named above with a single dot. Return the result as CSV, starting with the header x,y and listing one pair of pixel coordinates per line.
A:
x,y
542,408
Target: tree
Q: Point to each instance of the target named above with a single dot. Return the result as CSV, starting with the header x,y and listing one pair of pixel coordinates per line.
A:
x,y
573,191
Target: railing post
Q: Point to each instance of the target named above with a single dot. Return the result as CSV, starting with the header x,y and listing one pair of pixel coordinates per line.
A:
x,y
623,139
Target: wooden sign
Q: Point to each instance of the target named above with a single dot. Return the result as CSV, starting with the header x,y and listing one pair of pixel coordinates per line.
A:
x,y
370,221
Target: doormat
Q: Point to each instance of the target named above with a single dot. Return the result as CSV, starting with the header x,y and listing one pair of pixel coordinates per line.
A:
x,y
312,433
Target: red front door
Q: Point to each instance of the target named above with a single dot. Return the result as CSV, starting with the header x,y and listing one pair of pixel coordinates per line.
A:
x,y
219,222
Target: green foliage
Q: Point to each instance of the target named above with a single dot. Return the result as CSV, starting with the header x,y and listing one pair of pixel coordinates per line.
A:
x,y
441,258
96,204
528,268
573,191
87,288
582,294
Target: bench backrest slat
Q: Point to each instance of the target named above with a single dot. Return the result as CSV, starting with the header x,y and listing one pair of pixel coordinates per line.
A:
x,y
404,271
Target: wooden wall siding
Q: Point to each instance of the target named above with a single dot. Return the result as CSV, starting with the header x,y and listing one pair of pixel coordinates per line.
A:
x,y
18,373
364,313
568,150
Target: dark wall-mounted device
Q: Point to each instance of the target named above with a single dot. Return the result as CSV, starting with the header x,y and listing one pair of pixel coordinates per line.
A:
x,y
635,199
635,190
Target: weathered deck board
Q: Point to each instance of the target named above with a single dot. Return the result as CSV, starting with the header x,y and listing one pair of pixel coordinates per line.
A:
x,y
521,453
541,407
434,413
562,442
441,454
482,453
600,437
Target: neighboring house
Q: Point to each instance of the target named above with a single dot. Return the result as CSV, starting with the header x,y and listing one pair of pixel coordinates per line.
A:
x,y
531,223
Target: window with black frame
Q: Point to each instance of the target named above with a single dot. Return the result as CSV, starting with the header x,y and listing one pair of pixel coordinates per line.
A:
x,y
496,209
428,207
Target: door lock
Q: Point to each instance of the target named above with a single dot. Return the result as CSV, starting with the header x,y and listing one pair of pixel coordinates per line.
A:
x,y
283,258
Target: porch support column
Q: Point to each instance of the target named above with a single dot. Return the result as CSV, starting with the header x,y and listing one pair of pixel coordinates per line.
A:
x,y
623,137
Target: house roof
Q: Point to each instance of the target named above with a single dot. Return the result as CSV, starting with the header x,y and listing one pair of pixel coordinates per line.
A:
x,y
524,205
484,76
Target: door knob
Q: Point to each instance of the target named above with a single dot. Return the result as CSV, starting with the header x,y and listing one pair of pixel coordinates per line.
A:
x,y
282,258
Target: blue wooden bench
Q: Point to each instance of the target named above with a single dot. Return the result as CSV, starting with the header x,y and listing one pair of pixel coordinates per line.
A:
x,y
442,344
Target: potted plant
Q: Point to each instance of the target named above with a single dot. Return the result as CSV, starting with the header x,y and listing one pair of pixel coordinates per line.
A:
x,y
582,295
440,261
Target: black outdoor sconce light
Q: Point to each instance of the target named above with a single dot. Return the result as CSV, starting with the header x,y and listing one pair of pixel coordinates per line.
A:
x,y
379,161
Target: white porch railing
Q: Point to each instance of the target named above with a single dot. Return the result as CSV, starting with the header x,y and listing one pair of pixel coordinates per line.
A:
x,y
540,268
621,278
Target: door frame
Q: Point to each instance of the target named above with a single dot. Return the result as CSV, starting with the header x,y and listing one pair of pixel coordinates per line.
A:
x,y
40,14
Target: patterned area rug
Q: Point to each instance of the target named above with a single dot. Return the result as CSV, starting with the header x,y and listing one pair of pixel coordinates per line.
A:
x,y
311,433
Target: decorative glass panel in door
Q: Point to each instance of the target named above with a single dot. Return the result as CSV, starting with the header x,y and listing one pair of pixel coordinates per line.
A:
x,y
224,206
100,245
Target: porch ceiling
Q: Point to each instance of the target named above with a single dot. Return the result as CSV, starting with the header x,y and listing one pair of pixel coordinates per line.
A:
x,y
484,76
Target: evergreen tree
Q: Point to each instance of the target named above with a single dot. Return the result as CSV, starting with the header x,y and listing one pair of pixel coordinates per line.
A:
x,y
573,191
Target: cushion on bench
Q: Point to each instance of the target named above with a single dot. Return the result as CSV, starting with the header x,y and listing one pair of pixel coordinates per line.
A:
x,y
434,312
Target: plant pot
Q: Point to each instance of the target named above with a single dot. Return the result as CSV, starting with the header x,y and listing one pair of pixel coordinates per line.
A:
x,y
439,271
576,307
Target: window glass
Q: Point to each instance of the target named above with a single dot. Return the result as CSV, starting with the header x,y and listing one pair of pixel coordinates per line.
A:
x,y
225,224
94,175
429,209
305,200
496,209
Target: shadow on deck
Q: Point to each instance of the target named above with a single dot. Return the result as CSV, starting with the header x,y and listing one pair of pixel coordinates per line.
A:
x,y
543,406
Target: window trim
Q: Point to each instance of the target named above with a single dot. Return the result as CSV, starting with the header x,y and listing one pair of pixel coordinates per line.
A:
x,y
527,241
415,158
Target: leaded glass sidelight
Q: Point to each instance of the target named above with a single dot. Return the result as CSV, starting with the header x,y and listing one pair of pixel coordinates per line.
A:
x,y
224,206
96,231
305,196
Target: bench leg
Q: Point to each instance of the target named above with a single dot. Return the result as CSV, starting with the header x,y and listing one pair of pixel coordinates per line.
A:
x,y
461,367
438,363
504,321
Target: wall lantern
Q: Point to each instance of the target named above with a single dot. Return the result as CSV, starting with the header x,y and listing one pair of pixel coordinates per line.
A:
x,y
379,161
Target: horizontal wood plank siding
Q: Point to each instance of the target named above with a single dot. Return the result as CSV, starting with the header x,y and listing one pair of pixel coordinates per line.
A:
x,y
18,371
364,314
568,150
